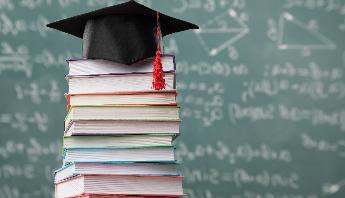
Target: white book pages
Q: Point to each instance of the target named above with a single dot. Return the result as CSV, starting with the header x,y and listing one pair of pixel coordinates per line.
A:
x,y
119,141
116,83
99,67
120,185
123,113
120,155
121,127
141,98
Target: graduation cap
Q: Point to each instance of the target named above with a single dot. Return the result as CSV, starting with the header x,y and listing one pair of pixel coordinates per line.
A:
x,y
124,33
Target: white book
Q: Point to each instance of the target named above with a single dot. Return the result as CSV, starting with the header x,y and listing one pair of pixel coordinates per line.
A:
x,y
120,185
118,141
116,83
139,154
121,127
81,168
101,67
122,113
123,98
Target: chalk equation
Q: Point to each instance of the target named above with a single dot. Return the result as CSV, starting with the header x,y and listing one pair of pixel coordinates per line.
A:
x,y
314,116
22,122
37,93
32,148
13,27
323,146
239,178
241,153
221,69
317,5
209,6
20,59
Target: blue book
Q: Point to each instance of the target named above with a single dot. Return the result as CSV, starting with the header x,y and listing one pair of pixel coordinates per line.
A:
x,y
124,154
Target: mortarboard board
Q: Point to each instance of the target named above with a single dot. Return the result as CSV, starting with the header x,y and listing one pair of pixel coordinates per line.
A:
x,y
123,33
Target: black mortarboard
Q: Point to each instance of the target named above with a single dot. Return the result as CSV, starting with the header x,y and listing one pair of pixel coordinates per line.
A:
x,y
124,33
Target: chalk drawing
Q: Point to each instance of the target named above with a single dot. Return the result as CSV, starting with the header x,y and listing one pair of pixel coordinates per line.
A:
x,y
321,41
220,26
332,188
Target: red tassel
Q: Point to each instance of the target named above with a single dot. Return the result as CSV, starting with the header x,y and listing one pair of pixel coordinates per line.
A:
x,y
158,81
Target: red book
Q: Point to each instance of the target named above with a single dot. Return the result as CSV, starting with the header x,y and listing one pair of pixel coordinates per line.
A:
x,y
161,186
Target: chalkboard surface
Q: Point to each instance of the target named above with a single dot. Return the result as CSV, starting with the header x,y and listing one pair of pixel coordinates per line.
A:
x,y
262,91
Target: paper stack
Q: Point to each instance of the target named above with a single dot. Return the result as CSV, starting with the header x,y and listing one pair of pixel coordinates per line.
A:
x,y
119,132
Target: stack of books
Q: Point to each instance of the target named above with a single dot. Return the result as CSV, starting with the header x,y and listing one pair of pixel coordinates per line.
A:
x,y
119,133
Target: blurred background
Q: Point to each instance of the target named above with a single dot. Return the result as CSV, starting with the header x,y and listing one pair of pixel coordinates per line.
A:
x,y
261,89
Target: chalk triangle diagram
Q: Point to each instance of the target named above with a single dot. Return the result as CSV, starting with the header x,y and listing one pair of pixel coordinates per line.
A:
x,y
294,34
221,31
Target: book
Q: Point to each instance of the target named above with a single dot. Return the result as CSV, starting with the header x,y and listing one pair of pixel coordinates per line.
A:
x,y
122,113
121,127
126,154
116,83
81,168
100,67
120,185
117,141
124,98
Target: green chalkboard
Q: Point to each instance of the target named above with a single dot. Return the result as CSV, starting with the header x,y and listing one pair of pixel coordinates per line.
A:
x,y
262,95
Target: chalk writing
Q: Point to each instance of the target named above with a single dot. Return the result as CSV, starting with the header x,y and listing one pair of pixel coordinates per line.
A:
x,y
207,5
34,4
315,116
35,92
32,149
20,59
22,121
22,171
333,188
323,5
6,5
13,27
251,194
207,193
199,108
241,177
316,90
204,87
14,192
50,59
223,69
15,59
311,71
310,143
243,152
